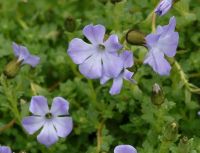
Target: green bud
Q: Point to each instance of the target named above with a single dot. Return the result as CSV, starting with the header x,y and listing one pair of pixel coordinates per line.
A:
x,y
135,38
12,68
115,1
184,146
171,131
70,24
157,96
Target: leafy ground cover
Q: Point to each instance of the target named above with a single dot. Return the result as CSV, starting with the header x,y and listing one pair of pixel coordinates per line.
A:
x,y
100,121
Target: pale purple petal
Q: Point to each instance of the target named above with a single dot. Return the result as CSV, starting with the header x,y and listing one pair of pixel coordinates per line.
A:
x,y
39,105
48,135
32,123
198,113
32,60
5,149
125,149
164,30
92,67
169,43
112,44
63,126
95,34
16,49
104,79
156,60
116,86
112,64
23,53
60,106
163,7
127,58
127,75
79,51
152,39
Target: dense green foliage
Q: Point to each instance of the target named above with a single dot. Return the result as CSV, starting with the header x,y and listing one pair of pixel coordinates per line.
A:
x,y
101,121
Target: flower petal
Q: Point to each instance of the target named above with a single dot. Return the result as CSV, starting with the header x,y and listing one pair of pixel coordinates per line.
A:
x,y
112,64
104,79
92,67
156,60
127,58
79,51
152,39
95,34
32,123
116,86
127,75
167,28
63,126
125,149
112,44
48,135
32,60
5,149
60,106
39,105
23,53
169,43
16,49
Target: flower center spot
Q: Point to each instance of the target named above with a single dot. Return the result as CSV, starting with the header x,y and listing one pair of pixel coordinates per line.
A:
x,y
101,47
48,115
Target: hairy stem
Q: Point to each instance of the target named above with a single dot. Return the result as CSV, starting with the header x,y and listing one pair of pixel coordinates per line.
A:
x,y
99,136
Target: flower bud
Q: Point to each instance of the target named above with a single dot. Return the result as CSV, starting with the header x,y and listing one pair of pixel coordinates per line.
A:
x,y
184,146
70,24
157,96
135,38
12,68
171,131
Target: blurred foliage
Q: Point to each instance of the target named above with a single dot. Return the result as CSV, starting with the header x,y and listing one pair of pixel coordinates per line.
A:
x,y
101,121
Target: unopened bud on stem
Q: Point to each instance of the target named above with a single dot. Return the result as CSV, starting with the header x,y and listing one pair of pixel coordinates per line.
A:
x,y
12,68
70,24
157,96
135,38
184,146
171,131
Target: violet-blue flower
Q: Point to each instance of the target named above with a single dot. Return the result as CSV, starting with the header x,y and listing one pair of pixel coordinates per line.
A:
x,y
125,149
55,121
163,42
127,58
23,55
98,58
5,149
163,7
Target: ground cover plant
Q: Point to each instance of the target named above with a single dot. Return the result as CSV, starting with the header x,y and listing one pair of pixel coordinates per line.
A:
x,y
101,76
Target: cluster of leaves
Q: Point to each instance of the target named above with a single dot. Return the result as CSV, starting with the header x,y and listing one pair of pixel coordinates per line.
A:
x,y
101,121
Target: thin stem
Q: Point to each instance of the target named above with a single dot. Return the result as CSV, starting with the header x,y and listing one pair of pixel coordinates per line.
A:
x,y
93,93
7,126
99,136
189,86
153,25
